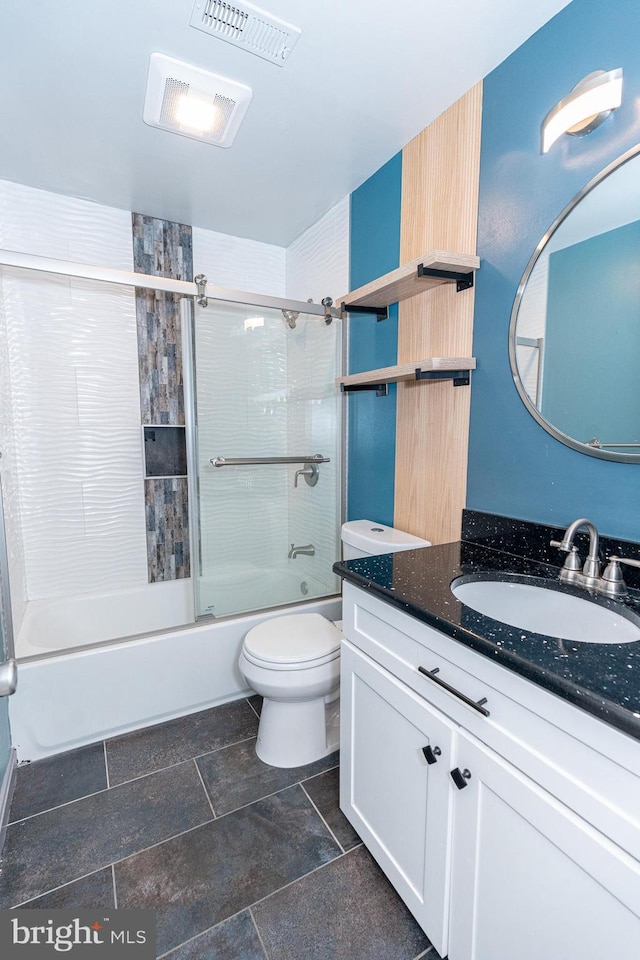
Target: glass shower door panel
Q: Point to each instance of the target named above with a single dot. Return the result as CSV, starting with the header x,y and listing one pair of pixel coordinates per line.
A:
x,y
264,390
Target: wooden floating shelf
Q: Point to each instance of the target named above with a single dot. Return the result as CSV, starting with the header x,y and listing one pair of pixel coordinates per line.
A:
x,y
436,368
407,281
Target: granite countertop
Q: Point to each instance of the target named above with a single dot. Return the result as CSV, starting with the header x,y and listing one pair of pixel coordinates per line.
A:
x,y
603,679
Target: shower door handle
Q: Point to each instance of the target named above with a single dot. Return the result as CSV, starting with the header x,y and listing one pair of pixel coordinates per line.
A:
x,y
8,678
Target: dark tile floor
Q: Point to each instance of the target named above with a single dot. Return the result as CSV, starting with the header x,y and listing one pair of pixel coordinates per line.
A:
x,y
240,861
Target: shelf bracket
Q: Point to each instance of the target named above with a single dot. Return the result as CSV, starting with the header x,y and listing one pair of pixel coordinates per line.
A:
x,y
381,389
380,313
463,281
461,378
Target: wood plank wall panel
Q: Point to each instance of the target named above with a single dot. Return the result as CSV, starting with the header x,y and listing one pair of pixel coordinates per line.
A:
x,y
440,180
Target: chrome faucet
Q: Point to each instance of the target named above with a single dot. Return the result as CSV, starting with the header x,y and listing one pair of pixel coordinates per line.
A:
x,y
571,573
610,583
308,550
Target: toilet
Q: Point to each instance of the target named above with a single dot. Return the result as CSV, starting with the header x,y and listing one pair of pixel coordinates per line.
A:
x,y
293,661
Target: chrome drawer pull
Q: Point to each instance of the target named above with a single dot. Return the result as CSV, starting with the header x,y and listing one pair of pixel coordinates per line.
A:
x,y
476,704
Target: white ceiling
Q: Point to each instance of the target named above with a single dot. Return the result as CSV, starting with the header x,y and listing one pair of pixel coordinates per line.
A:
x,y
363,80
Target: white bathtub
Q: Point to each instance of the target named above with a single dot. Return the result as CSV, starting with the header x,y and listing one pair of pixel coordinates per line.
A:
x,y
81,696
61,623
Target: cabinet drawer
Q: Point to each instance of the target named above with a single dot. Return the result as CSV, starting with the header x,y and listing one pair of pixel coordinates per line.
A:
x,y
588,765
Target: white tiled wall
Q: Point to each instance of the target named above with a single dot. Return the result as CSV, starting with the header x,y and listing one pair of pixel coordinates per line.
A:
x,y
318,261
238,263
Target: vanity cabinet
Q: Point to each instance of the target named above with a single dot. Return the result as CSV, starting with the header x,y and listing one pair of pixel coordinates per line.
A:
x,y
394,785
532,847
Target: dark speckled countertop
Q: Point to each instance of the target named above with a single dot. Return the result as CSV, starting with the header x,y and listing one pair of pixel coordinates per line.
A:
x,y
603,679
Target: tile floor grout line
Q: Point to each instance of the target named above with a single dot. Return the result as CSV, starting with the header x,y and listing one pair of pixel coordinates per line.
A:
x,y
59,806
114,863
113,881
45,893
314,775
114,786
106,762
124,783
322,818
252,707
179,946
177,763
425,953
321,866
259,935
206,792
267,796
198,756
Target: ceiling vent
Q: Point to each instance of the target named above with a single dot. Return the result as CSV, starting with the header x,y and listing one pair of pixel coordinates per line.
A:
x,y
247,27
193,102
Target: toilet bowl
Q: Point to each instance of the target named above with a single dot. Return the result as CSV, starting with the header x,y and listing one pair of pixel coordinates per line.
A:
x,y
294,663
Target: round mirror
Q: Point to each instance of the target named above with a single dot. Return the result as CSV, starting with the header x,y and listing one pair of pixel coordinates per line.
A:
x,y
574,338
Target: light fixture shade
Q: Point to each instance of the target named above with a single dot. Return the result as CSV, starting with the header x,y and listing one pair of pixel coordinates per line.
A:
x,y
194,102
584,108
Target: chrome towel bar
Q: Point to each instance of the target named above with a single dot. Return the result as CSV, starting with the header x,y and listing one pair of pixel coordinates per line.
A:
x,y
248,461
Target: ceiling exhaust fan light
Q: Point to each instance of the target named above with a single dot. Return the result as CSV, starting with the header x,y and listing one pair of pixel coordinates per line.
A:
x,y
194,102
196,114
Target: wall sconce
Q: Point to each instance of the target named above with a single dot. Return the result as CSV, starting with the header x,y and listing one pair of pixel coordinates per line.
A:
x,y
584,108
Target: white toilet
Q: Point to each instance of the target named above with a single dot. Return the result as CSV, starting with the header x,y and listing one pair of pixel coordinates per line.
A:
x,y
294,662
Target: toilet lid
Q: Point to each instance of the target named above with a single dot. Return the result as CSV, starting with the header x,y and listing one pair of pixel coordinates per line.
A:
x,y
297,639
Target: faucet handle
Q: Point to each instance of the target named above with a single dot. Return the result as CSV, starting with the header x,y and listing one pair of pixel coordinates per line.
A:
x,y
612,576
564,545
629,563
573,564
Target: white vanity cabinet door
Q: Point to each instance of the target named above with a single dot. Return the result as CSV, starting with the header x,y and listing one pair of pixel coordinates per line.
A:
x,y
530,879
398,801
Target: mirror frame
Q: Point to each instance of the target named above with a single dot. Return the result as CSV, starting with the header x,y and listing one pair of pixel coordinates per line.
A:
x,y
524,396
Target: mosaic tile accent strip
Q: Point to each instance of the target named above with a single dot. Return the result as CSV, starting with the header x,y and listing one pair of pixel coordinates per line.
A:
x,y
167,516
164,249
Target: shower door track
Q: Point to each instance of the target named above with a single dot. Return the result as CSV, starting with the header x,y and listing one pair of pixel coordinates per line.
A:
x,y
88,271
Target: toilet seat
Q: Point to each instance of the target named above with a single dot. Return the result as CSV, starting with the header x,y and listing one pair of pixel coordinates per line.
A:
x,y
293,643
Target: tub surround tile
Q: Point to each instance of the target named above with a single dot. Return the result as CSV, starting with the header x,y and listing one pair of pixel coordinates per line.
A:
x,y
166,504
48,783
233,939
154,748
209,874
56,847
235,776
324,791
346,911
164,249
95,890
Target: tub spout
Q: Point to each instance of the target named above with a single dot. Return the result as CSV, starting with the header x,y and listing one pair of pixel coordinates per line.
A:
x,y
308,550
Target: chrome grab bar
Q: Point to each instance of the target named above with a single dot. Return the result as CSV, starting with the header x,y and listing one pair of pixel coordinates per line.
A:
x,y
248,461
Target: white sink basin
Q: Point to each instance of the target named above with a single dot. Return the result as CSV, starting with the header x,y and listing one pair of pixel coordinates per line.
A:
x,y
555,614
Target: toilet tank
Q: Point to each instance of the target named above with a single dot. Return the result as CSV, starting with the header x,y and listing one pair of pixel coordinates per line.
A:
x,y
364,538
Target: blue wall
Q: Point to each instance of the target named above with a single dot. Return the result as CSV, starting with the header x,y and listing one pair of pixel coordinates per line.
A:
x,y
515,467
375,250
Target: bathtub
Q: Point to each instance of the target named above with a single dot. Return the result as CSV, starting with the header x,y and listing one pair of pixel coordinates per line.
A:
x,y
68,699
62,623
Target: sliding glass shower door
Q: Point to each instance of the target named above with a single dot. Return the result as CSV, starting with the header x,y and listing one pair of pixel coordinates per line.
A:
x,y
267,533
